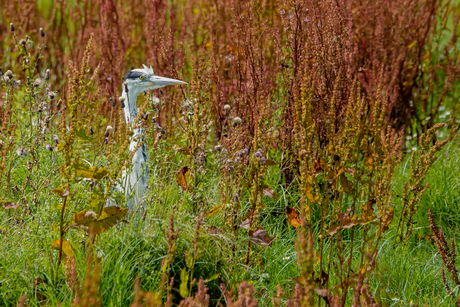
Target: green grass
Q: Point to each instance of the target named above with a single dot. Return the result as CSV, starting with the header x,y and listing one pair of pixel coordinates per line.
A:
x,y
406,272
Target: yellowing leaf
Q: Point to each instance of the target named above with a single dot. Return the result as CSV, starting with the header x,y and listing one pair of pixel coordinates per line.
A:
x,y
411,45
183,288
270,162
61,193
180,177
293,217
185,151
367,210
310,196
109,218
85,217
66,247
94,172
386,219
214,211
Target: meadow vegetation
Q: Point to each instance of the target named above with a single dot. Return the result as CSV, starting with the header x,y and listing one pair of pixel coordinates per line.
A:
x,y
311,161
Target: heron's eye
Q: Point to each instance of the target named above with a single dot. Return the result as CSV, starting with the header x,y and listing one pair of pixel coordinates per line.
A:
x,y
141,77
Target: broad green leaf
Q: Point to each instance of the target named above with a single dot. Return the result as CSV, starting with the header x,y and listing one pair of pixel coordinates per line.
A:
x,y
183,289
81,133
164,265
189,261
213,277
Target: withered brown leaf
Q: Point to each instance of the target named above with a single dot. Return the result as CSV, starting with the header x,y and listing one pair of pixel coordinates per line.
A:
x,y
293,217
260,236
9,205
180,177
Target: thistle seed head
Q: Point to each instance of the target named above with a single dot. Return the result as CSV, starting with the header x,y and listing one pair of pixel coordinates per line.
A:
x,y
52,95
237,121
227,109
22,151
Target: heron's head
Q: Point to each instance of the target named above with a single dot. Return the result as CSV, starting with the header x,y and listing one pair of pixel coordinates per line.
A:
x,y
143,79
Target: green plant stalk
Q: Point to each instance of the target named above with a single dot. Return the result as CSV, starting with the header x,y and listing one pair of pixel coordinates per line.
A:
x,y
61,234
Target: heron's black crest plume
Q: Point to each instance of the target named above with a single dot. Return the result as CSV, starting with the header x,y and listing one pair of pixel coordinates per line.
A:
x,y
132,74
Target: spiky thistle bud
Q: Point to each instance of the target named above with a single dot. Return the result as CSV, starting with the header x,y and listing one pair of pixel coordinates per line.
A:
x,y
42,32
11,27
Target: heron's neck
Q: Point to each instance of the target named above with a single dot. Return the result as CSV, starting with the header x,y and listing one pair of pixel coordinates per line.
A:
x,y
130,102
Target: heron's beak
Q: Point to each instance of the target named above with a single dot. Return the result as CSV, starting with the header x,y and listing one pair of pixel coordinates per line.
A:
x,y
162,81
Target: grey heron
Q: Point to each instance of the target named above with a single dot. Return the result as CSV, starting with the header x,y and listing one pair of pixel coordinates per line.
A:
x,y
134,182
